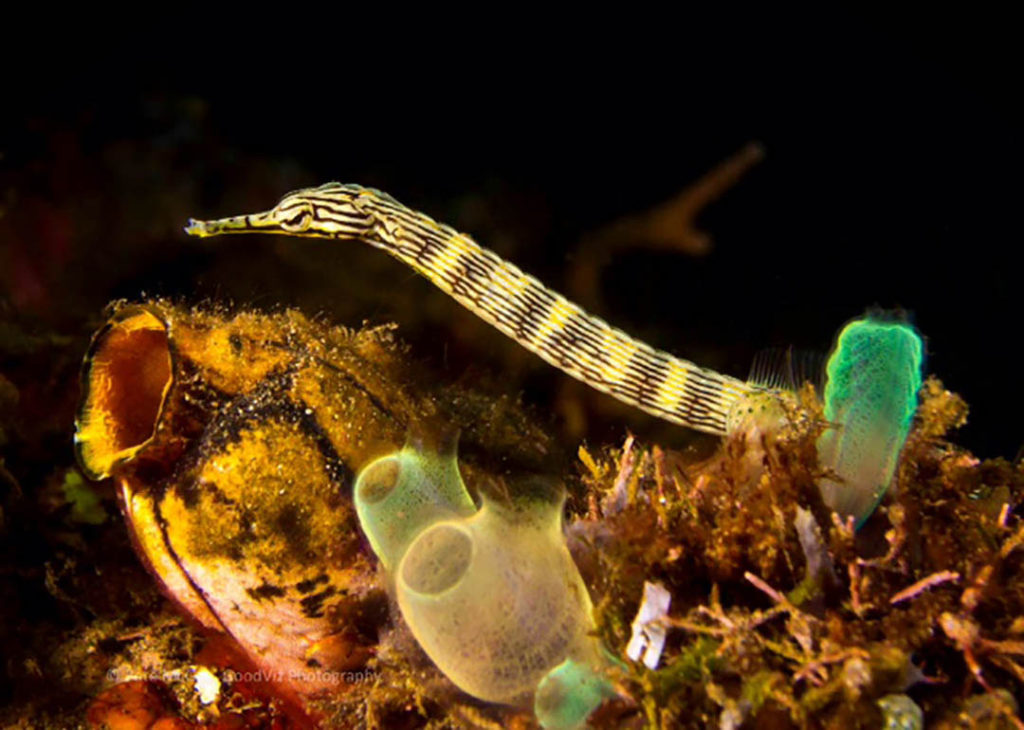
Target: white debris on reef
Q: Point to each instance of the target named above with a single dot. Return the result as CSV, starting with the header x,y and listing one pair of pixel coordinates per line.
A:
x,y
648,627
207,685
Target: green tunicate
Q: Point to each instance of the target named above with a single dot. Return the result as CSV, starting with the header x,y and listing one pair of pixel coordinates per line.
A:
x,y
874,375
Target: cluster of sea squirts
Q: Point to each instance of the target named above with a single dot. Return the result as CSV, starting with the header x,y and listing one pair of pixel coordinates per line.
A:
x,y
491,594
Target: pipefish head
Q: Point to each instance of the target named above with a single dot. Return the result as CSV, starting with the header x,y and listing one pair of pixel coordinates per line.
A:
x,y
334,210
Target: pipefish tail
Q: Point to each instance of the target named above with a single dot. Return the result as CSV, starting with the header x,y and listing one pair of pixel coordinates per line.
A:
x,y
517,304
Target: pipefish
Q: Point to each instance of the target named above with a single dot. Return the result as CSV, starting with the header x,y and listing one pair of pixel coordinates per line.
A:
x,y
538,318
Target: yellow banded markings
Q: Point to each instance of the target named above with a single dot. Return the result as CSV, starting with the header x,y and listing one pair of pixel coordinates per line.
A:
x,y
554,322
620,351
444,262
673,388
503,299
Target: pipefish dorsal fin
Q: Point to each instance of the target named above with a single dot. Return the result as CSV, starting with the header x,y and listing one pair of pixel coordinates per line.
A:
x,y
788,368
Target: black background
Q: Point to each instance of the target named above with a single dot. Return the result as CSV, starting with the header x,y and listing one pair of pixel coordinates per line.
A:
x,y
892,174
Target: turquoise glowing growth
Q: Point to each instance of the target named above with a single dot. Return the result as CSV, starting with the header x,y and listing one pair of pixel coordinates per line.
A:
x,y
491,594
874,375
568,694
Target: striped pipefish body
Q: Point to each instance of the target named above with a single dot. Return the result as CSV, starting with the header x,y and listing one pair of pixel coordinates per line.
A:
x,y
539,319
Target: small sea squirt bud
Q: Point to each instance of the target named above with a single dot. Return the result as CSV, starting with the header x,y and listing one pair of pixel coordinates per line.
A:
x,y
568,694
874,375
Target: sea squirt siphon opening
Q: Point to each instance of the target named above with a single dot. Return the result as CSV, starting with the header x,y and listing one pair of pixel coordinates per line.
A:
x,y
438,559
379,479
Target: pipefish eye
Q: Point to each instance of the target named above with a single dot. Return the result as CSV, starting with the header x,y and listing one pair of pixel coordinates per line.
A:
x,y
296,217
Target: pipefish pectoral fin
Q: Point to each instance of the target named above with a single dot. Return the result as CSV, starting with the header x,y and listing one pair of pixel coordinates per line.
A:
x,y
518,305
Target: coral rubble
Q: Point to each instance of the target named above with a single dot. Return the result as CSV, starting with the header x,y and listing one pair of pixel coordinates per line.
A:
x,y
768,612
